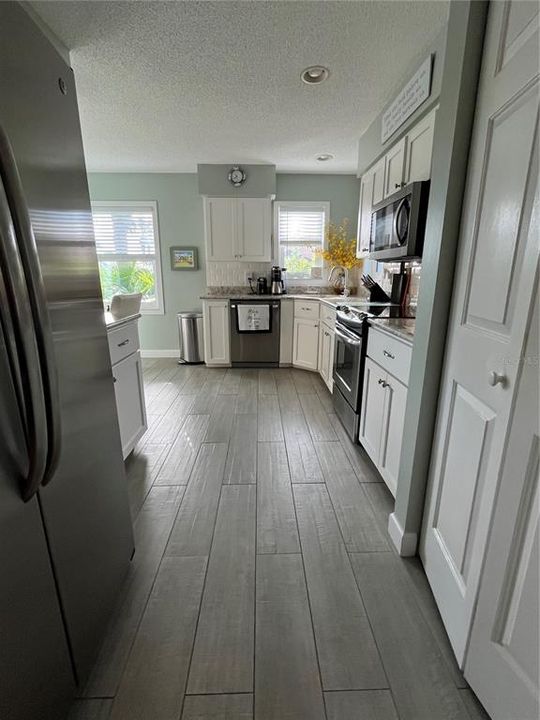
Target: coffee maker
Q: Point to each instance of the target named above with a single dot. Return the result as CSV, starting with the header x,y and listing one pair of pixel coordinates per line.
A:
x,y
277,285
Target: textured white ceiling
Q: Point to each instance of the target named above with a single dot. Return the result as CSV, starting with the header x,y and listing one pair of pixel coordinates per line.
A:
x,y
163,86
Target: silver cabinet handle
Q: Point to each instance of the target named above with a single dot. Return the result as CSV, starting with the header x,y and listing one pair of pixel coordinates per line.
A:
x,y
389,355
495,378
124,342
23,350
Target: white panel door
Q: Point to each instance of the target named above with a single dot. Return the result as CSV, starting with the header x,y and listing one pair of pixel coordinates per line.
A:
x,y
220,228
373,409
502,663
419,149
306,343
497,259
392,433
395,167
254,234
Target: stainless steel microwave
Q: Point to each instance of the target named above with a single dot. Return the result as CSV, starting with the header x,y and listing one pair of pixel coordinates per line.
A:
x,y
398,224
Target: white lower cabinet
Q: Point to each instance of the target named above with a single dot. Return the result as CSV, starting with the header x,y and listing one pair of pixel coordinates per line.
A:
x,y
326,354
306,343
382,420
372,412
217,349
392,435
129,393
128,383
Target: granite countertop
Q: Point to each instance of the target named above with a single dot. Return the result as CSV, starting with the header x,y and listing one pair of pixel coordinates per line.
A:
x,y
331,300
111,321
403,328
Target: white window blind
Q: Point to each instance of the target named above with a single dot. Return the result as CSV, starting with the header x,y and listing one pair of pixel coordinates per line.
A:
x,y
127,245
301,229
302,224
124,231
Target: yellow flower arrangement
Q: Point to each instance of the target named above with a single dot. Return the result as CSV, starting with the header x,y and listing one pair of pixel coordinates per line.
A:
x,y
341,246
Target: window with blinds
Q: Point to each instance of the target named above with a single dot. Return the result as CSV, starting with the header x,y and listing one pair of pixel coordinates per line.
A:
x,y
301,229
127,245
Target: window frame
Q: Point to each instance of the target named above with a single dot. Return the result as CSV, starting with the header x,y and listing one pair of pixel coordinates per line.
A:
x,y
160,309
298,204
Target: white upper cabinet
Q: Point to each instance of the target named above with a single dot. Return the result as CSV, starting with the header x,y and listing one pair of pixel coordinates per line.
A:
x,y
377,188
407,161
238,229
419,148
219,228
371,192
254,218
395,167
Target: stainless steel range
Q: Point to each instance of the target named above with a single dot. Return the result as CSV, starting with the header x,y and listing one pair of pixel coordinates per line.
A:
x,y
349,357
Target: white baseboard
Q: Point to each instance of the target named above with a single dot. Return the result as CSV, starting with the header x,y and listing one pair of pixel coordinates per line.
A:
x,y
405,543
160,353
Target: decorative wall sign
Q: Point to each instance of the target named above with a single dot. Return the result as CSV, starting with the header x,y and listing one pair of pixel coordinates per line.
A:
x,y
184,258
415,92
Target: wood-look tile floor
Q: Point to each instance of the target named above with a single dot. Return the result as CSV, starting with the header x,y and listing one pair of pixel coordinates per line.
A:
x,y
264,585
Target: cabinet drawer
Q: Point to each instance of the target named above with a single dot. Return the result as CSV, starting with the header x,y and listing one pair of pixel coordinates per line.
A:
x,y
123,341
328,315
306,309
390,353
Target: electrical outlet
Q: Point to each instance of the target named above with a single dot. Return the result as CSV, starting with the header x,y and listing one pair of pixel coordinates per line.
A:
x,y
248,275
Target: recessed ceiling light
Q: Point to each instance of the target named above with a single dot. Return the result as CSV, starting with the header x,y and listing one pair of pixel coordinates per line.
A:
x,y
324,157
314,74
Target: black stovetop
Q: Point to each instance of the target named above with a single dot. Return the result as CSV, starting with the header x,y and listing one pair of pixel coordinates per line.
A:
x,y
354,316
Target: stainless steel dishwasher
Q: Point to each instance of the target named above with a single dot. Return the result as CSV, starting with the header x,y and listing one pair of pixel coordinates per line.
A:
x,y
254,333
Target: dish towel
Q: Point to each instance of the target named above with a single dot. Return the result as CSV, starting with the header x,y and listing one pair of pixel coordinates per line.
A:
x,y
253,318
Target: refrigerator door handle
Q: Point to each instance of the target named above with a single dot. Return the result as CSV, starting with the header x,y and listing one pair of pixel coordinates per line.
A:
x,y
28,254
17,324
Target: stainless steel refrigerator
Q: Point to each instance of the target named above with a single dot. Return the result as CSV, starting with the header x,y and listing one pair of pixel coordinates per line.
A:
x,y
65,530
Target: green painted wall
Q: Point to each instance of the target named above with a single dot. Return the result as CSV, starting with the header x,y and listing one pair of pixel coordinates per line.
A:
x,y
180,218
341,191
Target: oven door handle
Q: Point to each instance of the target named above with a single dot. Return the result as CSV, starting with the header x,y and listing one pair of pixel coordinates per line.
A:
x,y
347,340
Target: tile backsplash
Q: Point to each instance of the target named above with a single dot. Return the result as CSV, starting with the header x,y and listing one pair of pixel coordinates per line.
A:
x,y
234,273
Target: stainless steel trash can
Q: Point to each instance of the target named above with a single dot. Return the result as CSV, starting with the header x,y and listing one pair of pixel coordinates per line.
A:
x,y
190,334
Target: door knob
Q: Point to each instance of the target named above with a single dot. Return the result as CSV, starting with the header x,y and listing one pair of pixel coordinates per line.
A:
x,y
495,378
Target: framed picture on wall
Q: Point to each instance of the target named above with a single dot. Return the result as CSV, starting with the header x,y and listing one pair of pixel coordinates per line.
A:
x,y
184,258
